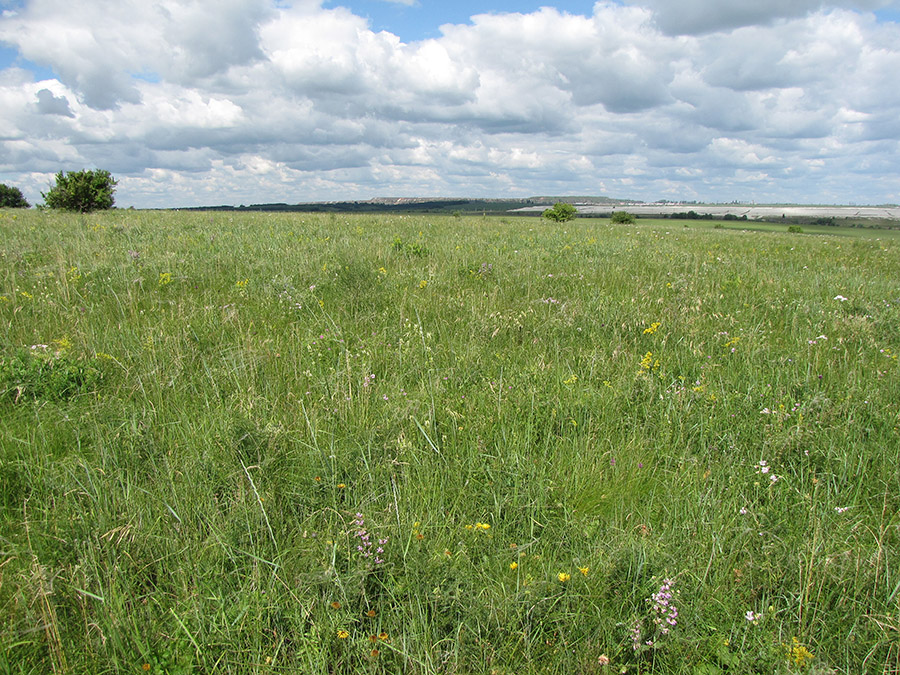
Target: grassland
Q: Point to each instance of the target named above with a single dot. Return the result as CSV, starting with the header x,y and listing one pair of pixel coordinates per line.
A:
x,y
211,423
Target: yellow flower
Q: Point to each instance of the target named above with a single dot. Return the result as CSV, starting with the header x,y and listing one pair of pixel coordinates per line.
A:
x,y
799,654
423,283
165,278
513,565
563,577
341,486
342,634
653,328
584,570
335,605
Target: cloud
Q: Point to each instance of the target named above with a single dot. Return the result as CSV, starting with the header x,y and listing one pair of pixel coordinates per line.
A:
x,y
96,47
695,17
252,101
48,104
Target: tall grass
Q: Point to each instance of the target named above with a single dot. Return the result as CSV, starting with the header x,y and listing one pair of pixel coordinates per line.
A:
x,y
209,423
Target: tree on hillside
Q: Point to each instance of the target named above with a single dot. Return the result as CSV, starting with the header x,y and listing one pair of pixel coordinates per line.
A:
x,y
560,212
12,198
82,191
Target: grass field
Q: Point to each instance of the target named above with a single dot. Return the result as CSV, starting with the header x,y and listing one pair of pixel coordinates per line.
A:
x,y
288,443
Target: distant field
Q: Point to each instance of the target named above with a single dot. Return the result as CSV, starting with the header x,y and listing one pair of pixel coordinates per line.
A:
x,y
751,212
347,443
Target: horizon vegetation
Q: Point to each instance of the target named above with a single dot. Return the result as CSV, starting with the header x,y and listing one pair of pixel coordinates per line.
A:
x,y
355,443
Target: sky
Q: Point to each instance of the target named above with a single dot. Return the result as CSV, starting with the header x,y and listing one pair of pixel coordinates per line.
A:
x,y
206,102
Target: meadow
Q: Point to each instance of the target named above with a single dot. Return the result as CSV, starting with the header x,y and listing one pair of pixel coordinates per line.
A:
x,y
291,443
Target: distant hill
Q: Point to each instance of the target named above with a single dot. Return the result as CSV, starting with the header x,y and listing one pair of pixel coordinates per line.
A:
x,y
445,205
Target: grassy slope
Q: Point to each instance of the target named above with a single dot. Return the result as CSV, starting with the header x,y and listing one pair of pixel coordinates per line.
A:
x,y
220,394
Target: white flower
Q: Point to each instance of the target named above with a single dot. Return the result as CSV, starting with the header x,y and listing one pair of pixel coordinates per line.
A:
x,y
840,297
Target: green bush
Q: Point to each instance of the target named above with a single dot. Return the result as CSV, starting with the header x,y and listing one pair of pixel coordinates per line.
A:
x,y
560,213
12,198
623,218
82,191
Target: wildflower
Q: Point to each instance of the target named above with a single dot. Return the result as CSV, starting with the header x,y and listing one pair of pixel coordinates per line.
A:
x,y
513,566
799,654
165,278
341,486
335,605
841,509
603,660
635,632
423,283
382,636
652,329
841,298
365,541
665,613
342,634
584,571
374,653
563,577
371,614
145,667
752,617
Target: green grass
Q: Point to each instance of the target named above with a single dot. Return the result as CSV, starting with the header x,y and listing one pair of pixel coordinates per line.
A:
x,y
194,408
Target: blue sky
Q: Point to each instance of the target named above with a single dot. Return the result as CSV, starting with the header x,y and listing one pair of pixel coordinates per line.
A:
x,y
424,18
249,101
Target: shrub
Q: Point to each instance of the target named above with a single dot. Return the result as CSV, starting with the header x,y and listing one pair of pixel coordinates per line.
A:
x,y
796,229
623,218
82,191
560,213
12,198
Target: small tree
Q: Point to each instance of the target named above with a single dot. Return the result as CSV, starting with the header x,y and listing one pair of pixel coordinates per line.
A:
x,y
12,198
82,191
622,218
560,212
